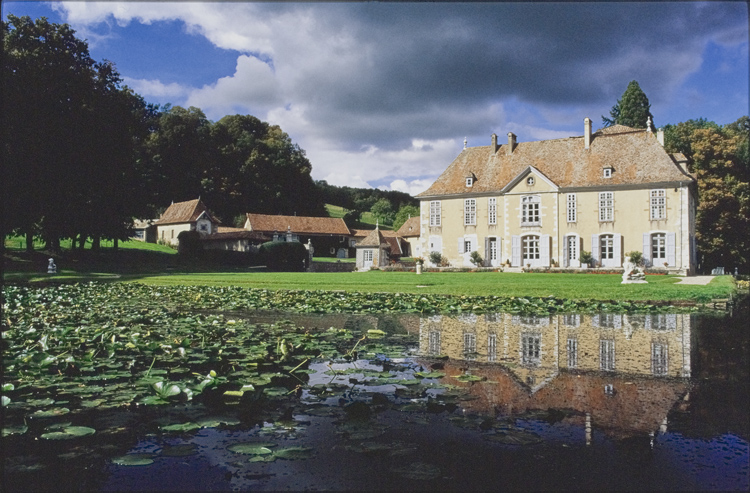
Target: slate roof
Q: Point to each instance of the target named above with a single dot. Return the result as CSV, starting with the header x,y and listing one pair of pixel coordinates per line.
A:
x,y
635,155
298,224
409,228
185,212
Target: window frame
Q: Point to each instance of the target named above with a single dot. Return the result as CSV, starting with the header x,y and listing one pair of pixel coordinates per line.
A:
x,y
492,211
528,243
367,256
606,207
531,348
658,204
572,208
470,212
606,247
435,212
531,210
658,245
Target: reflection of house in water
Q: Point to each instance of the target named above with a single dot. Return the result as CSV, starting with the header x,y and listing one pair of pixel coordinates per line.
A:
x,y
624,371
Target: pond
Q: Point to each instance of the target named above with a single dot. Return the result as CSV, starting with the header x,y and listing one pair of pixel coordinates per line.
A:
x,y
142,396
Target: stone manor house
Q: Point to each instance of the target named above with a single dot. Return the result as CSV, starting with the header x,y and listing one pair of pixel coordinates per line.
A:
x,y
539,204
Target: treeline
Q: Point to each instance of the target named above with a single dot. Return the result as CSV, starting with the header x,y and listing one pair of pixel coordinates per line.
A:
x,y
83,155
719,157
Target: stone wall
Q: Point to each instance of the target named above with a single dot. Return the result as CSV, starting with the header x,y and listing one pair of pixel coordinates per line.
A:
x,y
333,267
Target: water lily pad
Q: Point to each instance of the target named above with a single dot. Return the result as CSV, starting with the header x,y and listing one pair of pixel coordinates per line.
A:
x,y
5,400
469,378
15,430
294,453
213,422
51,413
181,426
262,458
430,374
252,448
68,433
134,460
93,403
419,471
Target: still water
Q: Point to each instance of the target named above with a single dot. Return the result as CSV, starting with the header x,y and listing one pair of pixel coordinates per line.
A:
x,y
469,402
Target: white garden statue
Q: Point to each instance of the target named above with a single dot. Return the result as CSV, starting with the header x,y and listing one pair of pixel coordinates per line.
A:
x,y
632,274
51,267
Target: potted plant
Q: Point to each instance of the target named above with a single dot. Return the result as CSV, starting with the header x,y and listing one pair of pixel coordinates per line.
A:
x,y
419,261
585,258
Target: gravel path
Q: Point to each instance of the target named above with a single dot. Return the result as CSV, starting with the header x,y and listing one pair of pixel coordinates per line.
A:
x,y
702,280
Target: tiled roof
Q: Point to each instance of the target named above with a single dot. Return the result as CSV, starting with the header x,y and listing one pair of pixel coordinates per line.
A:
x,y
225,234
298,224
373,239
395,244
635,156
185,212
409,228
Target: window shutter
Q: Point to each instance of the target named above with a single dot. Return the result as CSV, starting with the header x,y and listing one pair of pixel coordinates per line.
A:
x,y
565,261
515,257
617,240
544,249
487,260
461,244
647,249
595,248
671,249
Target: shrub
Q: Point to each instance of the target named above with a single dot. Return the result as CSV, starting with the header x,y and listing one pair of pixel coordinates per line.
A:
x,y
636,257
476,259
189,243
585,257
282,256
436,258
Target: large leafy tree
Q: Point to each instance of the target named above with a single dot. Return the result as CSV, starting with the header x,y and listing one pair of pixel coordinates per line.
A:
x,y
632,109
719,159
68,135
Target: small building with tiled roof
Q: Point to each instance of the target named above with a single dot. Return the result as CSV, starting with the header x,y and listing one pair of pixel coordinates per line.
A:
x,y
329,236
540,204
409,231
191,215
373,250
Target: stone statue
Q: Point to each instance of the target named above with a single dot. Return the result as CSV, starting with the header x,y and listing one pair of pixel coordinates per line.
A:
x,y
632,274
51,267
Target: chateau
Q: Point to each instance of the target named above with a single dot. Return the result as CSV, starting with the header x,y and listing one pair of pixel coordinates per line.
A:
x,y
540,204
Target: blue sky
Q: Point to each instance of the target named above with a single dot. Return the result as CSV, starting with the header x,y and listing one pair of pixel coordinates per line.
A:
x,y
383,94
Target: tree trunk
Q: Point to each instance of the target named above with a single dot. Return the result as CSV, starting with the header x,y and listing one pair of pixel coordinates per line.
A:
x,y
81,242
73,242
115,244
96,243
29,241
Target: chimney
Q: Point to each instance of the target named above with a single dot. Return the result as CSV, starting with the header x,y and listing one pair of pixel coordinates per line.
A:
x,y
660,136
494,143
511,143
587,132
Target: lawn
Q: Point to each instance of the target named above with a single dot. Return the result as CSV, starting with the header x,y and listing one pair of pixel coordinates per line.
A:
x,y
567,286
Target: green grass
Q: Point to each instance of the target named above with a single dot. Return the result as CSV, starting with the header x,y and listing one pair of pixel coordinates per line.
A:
x,y
18,243
366,221
567,286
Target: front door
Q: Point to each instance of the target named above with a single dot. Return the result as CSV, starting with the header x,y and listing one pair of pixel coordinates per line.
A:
x,y
367,259
493,253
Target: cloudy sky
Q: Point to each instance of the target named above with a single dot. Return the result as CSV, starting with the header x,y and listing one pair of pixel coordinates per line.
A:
x,y
383,94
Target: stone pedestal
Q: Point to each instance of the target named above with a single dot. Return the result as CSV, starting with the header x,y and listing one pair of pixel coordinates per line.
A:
x,y
419,268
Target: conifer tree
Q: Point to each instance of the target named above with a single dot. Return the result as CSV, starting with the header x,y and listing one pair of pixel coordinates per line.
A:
x,y
631,110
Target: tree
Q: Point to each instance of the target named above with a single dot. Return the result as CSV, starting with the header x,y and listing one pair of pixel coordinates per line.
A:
x,y
403,214
631,110
383,211
719,160
69,132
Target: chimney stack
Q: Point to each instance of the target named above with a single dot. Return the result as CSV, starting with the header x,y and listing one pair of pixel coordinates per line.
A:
x,y
494,143
587,132
660,136
511,143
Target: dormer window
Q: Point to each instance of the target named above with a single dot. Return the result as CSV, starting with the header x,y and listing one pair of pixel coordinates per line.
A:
x,y
607,172
530,181
469,181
